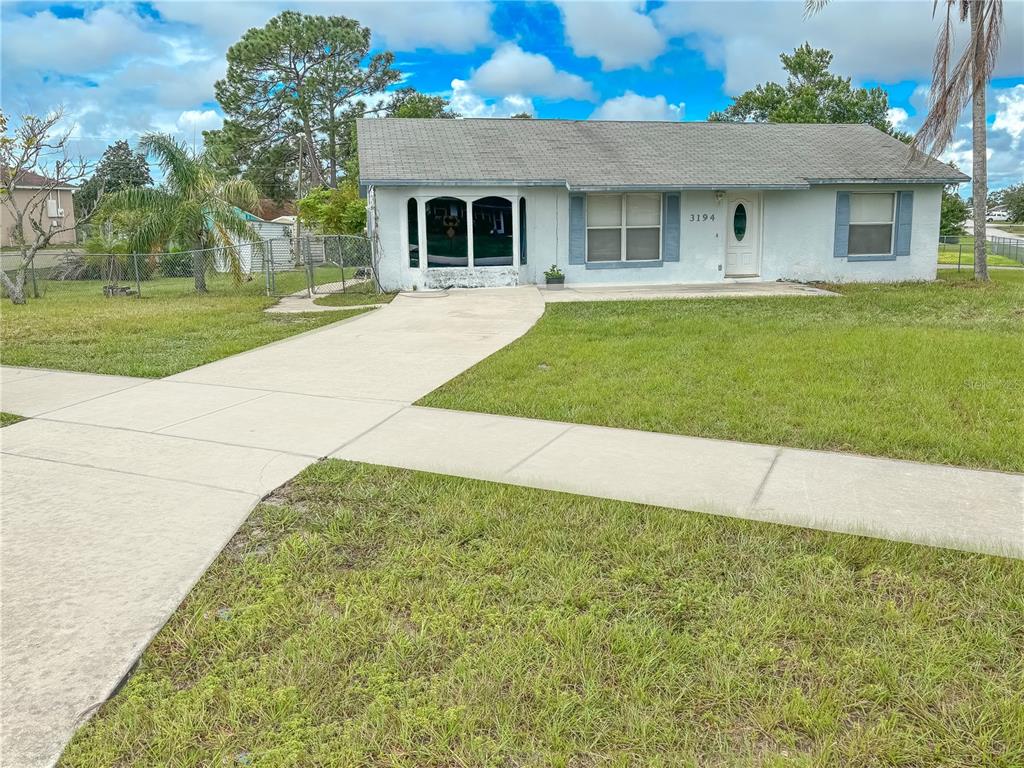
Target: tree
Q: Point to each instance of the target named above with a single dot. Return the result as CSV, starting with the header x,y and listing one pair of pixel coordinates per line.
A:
x,y
299,74
407,102
119,168
951,91
522,116
811,94
193,209
334,211
1013,199
953,214
35,158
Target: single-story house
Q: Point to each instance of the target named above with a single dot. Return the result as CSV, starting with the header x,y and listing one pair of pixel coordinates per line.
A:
x,y
492,202
48,202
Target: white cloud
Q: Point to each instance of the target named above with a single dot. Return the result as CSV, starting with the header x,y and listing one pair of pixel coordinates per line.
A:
x,y
99,39
871,40
898,116
631,106
199,120
618,33
468,103
1010,113
511,70
448,25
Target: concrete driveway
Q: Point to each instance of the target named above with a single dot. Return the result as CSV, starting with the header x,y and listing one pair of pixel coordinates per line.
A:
x,y
119,492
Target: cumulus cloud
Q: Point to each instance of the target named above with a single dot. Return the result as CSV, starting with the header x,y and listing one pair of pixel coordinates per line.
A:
x,y
871,40
511,70
632,106
1010,113
898,116
468,103
458,26
618,33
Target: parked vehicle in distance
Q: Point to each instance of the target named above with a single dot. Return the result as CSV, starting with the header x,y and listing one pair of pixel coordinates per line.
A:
x,y
997,214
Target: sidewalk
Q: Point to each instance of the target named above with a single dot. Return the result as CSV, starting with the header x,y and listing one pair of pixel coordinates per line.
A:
x,y
119,492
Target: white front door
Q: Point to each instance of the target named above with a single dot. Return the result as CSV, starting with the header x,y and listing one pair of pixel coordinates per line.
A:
x,y
742,236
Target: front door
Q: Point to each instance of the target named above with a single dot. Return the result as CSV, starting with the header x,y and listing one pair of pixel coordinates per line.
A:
x,y
742,236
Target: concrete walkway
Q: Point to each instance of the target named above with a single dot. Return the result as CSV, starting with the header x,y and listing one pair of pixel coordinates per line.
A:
x,y
119,492
678,291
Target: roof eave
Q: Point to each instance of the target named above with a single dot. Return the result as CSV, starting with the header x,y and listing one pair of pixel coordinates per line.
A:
x,y
928,180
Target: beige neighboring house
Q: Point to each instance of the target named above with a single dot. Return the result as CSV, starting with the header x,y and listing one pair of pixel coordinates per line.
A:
x,y
57,211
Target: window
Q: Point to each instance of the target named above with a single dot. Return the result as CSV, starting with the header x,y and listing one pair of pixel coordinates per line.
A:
x,y
739,222
447,240
412,214
871,224
624,227
522,230
492,232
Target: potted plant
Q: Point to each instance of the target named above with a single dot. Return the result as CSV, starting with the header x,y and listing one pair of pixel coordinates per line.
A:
x,y
554,276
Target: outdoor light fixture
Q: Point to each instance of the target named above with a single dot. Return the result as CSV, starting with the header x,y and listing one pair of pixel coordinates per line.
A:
x,y
719,195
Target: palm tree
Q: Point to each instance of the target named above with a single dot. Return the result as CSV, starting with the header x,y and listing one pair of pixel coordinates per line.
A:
x,y
953,88
193,209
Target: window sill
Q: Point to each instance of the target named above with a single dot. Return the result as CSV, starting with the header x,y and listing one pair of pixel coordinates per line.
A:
x,y
624,264
889,257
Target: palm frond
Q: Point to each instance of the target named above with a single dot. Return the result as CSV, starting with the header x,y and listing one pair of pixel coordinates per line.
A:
x,y
181,170
240,193
811,7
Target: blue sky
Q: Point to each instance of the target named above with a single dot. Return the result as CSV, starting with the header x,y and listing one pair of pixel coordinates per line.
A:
x,y
121,69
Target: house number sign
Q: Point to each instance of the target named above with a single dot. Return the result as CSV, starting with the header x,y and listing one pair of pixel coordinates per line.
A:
x,y
702,217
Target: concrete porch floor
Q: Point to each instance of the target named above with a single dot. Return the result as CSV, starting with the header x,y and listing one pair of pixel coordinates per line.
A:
x,y
677,291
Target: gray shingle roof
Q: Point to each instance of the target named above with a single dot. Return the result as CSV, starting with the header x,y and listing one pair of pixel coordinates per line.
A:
x,y
598,154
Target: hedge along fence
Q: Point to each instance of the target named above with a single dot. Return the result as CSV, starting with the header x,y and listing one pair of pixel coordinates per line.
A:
x,y
278,266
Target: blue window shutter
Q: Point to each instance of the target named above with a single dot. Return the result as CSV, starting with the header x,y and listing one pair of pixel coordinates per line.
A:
x,y
842,246
577,229
904,223
670,228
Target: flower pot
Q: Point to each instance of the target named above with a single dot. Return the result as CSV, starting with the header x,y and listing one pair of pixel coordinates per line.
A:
x,y
555,282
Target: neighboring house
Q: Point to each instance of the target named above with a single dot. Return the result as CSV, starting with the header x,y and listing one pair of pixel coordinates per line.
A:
x,y
276,239
486,202
54,210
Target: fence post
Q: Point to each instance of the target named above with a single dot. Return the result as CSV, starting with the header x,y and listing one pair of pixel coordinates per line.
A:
x,y
959,254
138,282
307,252
342,244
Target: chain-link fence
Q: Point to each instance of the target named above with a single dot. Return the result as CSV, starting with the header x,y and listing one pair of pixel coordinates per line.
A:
x,y
312,264
958,250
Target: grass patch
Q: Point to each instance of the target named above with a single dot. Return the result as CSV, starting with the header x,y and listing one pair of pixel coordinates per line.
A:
x,y
354,295
963,253
368,616
168,330
921,371
1015,229
6,419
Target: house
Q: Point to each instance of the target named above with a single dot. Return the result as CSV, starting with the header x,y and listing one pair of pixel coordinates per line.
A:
x,y
492,202
48,202
276,242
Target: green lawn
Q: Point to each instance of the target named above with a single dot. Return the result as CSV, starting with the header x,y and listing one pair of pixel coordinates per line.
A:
x,y
354,295
367,616
930,372
1016,229
170,329
6,419
963,253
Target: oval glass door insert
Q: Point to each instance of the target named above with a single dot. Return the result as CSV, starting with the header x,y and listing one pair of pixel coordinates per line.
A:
x,y
739,222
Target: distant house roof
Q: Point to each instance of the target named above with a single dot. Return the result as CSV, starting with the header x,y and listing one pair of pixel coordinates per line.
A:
x,y
30,180
590,154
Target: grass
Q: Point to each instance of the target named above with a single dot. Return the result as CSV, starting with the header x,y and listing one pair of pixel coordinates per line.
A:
x,y
168,330
963,253
921,371
1016,229
368,616
6,419
355,295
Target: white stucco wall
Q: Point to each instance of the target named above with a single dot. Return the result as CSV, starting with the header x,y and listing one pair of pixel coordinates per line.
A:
x,y
797,232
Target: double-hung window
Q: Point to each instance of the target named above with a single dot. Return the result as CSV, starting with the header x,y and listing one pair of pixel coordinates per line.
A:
x,y
871,224
624,227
